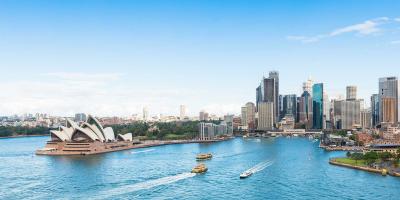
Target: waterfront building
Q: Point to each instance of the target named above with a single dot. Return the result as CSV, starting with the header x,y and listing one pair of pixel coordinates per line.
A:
x,y
265,116
351,93
250,115
287,123
237,121
182,112
268,91
80,117
389,100
318,106
89,131
228,119
375,109
305,109
244,117
290,106
209,131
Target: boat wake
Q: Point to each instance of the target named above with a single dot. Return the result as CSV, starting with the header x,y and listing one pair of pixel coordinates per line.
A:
x,y
145,185
144,151
260,166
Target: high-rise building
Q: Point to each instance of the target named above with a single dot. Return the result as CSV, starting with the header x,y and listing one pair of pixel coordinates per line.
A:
x,y
250,115
350,114
337,113
244,116
375,110
290,106
228,119
389,90
275,76
389,107
326,112
351,92
305,109
259,97
366,118
318,105
182,112
307,86
265,116
268,91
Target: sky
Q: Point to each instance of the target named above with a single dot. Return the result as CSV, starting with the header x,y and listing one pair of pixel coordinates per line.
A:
x,y
114,57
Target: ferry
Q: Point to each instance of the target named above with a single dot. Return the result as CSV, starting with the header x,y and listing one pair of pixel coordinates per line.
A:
x,y
199,169
204,156
246,174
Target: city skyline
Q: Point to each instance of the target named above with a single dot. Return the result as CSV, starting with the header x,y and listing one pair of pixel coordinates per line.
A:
x,y
62,60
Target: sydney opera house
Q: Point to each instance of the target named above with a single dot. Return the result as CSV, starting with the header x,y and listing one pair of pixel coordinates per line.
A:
x,y
87,138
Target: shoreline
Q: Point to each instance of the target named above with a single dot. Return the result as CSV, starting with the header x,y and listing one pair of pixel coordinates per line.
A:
x,y
367,169
118,146
22,136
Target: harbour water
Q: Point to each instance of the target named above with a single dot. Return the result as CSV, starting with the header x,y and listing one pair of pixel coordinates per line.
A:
x,y
283,168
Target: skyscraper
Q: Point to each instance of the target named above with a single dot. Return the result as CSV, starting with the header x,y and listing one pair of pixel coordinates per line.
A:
x,y
250,115
351,92
307,86
265,116
244,116
290,106
275,76
366,118
268,91
182,112
389,99
375,109
318,105
350,114
305,109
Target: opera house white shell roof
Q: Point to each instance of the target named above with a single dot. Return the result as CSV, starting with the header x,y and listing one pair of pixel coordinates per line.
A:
x,y
89,131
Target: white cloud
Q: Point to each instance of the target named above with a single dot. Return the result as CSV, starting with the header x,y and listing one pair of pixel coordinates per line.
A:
x,y
101,94
365,28
397,19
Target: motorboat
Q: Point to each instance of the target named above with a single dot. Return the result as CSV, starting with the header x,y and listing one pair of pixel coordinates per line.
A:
x,y
245,174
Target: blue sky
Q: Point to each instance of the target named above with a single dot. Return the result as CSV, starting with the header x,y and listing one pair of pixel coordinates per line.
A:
x,y
114,57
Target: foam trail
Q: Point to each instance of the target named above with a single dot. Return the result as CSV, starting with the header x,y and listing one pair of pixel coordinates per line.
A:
x,y
260,166
144,151
145,185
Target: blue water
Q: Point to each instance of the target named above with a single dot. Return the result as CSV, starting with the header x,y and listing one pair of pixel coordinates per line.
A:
x,y
293,169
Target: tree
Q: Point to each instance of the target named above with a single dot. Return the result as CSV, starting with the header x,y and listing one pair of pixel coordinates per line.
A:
x,y
397,157
370,157
385,156
357,156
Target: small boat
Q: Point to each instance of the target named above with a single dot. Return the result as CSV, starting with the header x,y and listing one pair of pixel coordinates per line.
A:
x,y
199,169
246,174
204,156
